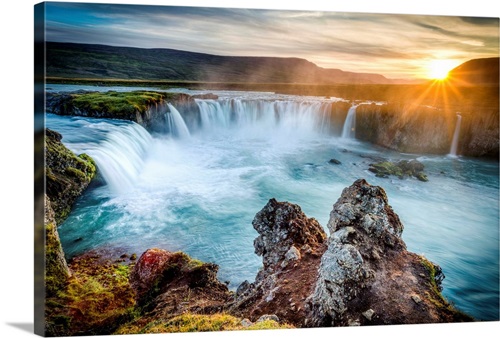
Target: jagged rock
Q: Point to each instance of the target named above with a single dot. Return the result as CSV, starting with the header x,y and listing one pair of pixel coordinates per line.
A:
x,y
66,177
149,270
66,174
56,269
288,273
285,224
293,254
367,266
171,283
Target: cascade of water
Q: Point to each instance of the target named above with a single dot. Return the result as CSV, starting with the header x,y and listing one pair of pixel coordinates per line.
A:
x,y
298,116
176,123
456,134
118,147
120,157
349,129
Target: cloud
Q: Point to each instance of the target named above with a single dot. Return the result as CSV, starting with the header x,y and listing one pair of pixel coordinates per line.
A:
x,y
349,41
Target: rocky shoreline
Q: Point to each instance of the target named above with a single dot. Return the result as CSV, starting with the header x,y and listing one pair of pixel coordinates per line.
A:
x,y
361,274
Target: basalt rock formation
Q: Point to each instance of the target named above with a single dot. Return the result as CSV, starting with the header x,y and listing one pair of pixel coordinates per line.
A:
x,y
291,245
361,275
366,276
423,129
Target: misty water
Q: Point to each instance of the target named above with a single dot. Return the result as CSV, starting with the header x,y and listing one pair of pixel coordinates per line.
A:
x,y
199,190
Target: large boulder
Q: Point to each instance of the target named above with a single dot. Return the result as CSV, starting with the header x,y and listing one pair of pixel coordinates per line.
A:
x,y
291,245
367,276
170,283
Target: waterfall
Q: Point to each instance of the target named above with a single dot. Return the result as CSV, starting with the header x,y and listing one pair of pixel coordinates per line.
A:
x,y
176,124
118,147
456,134
212,114
299,117
349,129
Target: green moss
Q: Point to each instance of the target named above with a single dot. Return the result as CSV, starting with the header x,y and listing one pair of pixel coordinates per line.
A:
x,y
56,271
435,296
268,325
98,298
66,174
384,169
198,323
400,169
118,104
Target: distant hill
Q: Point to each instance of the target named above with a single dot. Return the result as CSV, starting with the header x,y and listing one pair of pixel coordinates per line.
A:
x,y
476,72
107,62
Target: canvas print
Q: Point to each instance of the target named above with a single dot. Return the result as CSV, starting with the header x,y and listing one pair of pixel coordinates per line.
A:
x,y
215,169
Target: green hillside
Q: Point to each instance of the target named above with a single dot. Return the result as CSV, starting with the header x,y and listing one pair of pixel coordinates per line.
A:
x,y
106,62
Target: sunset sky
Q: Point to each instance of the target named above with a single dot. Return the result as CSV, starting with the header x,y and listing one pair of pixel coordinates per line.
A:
x,y
394,45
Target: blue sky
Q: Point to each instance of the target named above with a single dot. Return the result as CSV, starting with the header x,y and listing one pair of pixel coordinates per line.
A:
x,y
395,45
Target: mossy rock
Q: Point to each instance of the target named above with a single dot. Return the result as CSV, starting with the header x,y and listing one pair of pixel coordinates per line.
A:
x,y
96,300
56,269
401,169
435,296
66,174
117,104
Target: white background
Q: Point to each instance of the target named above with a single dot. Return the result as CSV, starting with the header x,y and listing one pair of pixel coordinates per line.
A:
x,y
16,176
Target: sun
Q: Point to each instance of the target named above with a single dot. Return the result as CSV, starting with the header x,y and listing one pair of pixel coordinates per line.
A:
x,y
439,69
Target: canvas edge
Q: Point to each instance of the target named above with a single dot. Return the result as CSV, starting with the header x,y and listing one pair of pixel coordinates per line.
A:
x,y
39,166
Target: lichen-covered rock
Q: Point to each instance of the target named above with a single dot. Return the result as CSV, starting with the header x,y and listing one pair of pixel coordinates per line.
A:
x,y
66,174
291,245
367,276
282,225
